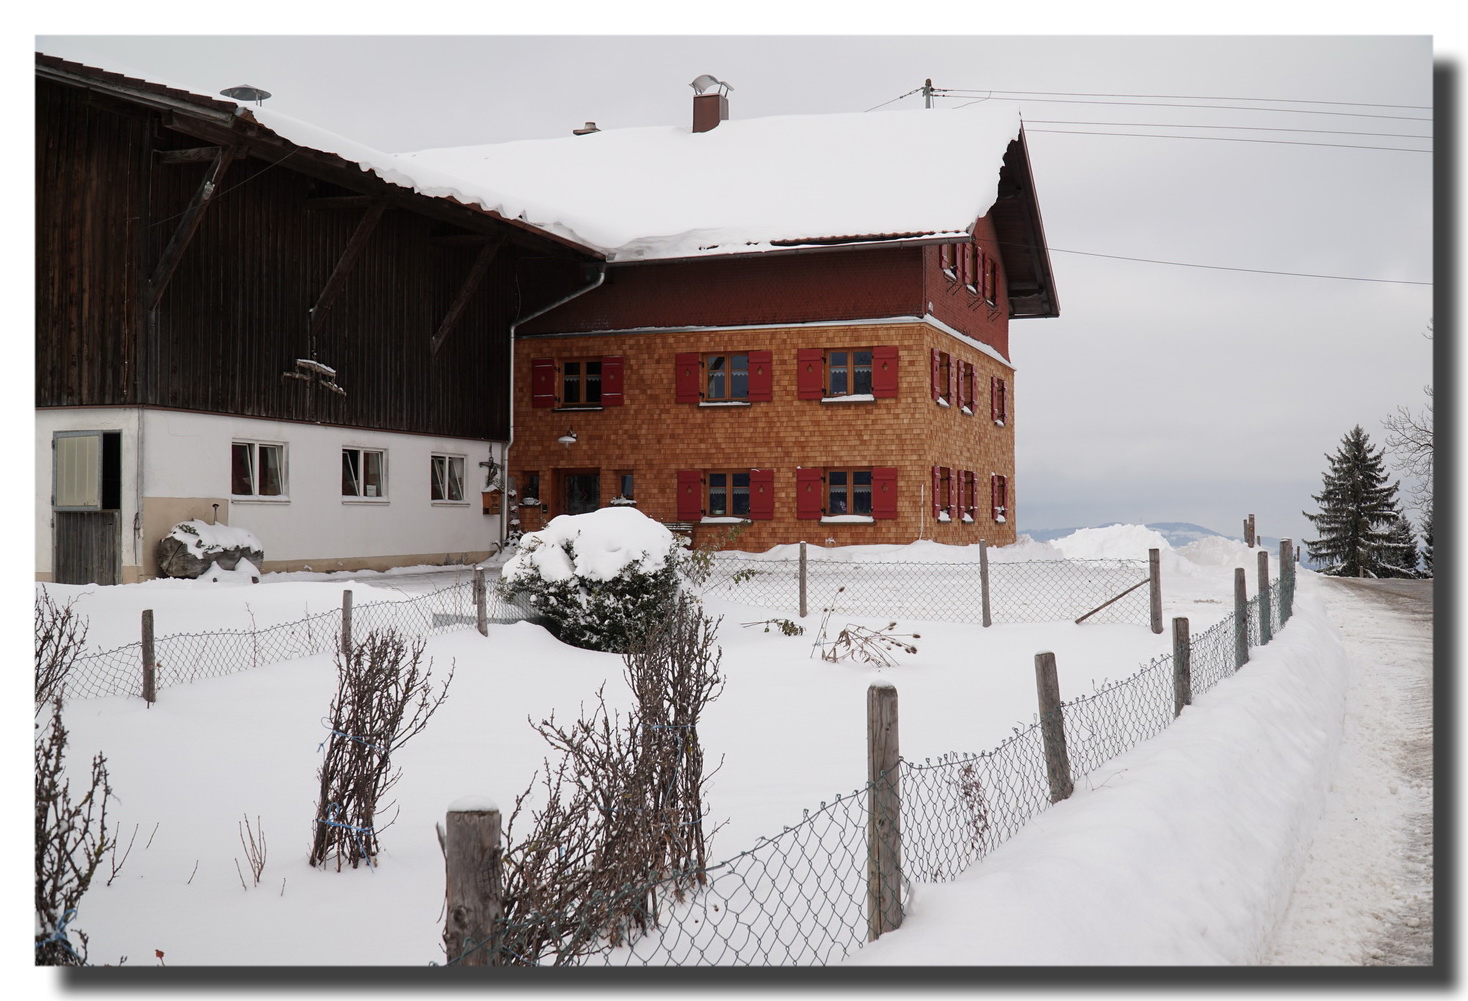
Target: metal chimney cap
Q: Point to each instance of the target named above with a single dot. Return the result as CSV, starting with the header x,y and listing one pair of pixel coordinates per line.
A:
x,y
244,92
588,130
704,82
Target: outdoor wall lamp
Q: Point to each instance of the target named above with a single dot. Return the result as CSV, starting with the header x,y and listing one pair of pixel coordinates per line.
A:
x,y
569,438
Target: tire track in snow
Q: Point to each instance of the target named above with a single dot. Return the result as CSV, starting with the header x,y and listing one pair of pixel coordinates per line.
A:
x,y
1364,895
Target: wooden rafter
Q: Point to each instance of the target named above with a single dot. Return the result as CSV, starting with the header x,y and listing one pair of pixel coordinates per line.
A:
x,y
188,224
345,264
471,283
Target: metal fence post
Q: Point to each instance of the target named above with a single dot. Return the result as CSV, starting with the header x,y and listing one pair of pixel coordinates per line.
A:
x,y
473,866
481,602
884,812
1182,666
150,663
1052,728
802,579
346,623
1266,632
1154,580
1241,617
984,581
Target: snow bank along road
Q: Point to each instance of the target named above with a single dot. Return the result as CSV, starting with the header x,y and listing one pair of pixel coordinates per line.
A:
x,y
1364,896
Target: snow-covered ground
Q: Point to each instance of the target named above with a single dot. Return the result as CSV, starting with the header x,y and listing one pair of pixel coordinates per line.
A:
x,y
1183,850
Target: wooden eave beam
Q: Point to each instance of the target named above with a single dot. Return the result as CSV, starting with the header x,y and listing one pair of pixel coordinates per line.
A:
x,y
327,167
199,154
346,263
340,202
466,292
187,226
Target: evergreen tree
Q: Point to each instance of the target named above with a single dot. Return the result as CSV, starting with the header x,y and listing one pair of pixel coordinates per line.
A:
x,y
1400,557
1427,542
1357,510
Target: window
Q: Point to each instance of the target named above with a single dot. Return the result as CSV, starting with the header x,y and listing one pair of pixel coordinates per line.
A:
x,y
966,378
998,400
944,494
530,495
848,491
947,257
943,381
580,383
87,470
257,469
364,472
836,373
446,478
728,378
999,492
990,279
967,499
728,495
849,372
626,488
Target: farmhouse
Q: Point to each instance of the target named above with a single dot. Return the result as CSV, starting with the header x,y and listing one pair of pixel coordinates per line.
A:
x,y
801,331
242,319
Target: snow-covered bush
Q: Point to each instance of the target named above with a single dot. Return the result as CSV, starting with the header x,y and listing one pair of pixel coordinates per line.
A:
x,y
600,580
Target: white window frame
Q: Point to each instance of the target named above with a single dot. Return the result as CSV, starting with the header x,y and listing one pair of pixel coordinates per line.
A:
x,y
255,494
363,497
446,461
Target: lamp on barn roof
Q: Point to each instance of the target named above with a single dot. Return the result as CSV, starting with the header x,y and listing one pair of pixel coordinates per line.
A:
x,y
244,92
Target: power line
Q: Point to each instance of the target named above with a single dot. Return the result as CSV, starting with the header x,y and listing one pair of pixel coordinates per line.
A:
x,y
1222,267
1234,139
1245,128
1179,97
1209,107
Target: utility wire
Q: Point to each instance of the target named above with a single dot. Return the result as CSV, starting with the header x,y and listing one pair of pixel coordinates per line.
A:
x,y
1234,139
1244,128
1179,97
1222,267
1209,107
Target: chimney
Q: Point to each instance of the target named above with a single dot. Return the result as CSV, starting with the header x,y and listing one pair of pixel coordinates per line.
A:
x,y
710,107
587,130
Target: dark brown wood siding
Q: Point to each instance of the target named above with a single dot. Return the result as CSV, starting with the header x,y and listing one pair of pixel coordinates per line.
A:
x,y
236,313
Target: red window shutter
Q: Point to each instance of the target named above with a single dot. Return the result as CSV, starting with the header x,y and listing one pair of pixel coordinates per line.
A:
x,y
690,495
953,510
542,382
808,490
945,257
937,392
688,378
937,473
953,369
993,397
884,492
760,381
884,371
611,381
998,403
810,373
966,385
990,279
960,263
761,491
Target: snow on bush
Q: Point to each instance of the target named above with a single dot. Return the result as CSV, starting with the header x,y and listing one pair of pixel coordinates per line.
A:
x,y
600,579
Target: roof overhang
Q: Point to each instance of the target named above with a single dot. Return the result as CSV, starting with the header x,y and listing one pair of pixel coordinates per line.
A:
x,y
1030,281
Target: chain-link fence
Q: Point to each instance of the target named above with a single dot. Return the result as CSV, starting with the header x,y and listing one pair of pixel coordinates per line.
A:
x,y
182,658
804,897
1031,591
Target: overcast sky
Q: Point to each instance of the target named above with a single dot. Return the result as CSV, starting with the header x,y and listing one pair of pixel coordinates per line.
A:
x,y
1163,392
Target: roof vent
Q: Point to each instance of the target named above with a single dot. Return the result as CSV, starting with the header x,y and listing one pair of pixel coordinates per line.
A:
x,y
710,105
588,130
244,92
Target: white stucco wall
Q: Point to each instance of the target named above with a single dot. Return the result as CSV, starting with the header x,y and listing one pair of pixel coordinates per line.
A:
x,y
167,454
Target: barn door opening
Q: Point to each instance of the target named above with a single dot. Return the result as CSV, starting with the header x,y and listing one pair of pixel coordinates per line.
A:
x,y
86,507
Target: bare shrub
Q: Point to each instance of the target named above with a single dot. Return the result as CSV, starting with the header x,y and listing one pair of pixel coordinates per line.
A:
x,y
383,699
71,841
253,842
60,633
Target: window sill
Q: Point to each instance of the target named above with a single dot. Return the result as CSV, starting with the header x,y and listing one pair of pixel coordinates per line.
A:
x,y
848,519
723,403
720,520
943,403
366,500
850,398
577,407
257,499
449,503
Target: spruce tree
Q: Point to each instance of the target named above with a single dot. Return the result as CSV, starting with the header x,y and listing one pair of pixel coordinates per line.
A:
x,y
1427,542
1357,510
1400,558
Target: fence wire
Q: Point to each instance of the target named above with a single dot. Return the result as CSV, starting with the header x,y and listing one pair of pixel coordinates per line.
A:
x,y
182,658
1033,591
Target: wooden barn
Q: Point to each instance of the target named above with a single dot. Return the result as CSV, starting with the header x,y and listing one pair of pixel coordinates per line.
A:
x,y
240,319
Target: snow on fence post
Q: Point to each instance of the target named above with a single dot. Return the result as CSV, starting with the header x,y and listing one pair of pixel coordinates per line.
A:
x,y
884,811
1052,728
346,623
1154,581
150,663
1241,617
481,602
1266,632
1286,579
802,578
984,581
473,866
1182,666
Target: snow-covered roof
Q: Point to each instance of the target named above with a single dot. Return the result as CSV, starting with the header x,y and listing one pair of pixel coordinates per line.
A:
x,y
746,185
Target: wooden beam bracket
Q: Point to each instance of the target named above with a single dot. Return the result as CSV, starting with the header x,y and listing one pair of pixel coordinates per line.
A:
x,y
471,284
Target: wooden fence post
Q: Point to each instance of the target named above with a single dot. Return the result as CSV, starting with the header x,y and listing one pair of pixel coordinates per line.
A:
x,y
1241,617
1154,580
1182,666
1249,531
1286,579
475,878
802,579
346,623
1052,728
984,581
481,602
150,663
884,812
1266,632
